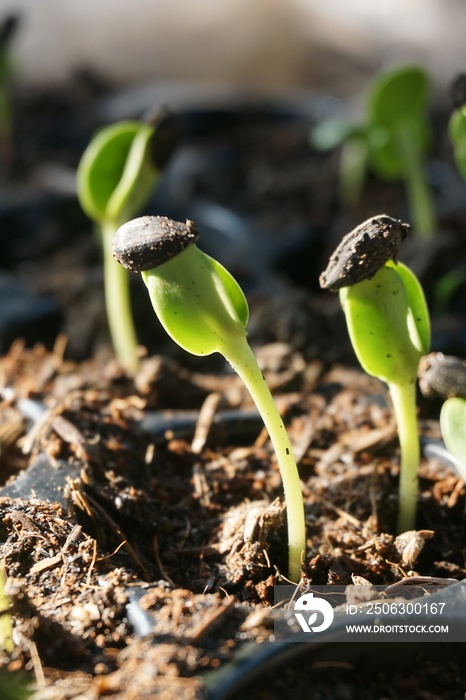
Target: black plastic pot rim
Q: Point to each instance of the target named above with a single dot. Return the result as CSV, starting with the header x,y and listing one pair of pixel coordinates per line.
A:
x,y
255,661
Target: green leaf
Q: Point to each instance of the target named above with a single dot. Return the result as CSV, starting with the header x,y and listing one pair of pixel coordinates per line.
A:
x,y
387,153
198,302
137,179
397,109
399,96
334,132
229,287
384,156
453,427
419,317
115,175
399,138
387,333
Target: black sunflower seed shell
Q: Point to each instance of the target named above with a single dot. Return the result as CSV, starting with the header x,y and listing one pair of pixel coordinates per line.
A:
x,y
442,376
363,251
149,241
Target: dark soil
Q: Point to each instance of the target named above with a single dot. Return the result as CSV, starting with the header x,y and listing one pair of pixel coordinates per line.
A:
x,y
143,552
197,535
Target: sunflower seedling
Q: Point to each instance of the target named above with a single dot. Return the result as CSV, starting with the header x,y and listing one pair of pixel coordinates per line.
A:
x,y
116,175
204,310
351,138
389,327
392,142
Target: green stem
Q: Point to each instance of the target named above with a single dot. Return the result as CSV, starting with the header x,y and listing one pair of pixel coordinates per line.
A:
x,y
418,191
353,169
118,305
404,404
243,361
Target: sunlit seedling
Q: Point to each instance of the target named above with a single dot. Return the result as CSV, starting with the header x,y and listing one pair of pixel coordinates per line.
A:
x,y
116,176
203,309
389,327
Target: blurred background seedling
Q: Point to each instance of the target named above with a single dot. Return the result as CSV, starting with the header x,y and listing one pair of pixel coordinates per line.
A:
x,y
116,177
392,142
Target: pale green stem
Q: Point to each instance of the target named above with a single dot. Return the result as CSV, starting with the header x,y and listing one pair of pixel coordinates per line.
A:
x,y
353,169
418,190
243,361
404,404
118,304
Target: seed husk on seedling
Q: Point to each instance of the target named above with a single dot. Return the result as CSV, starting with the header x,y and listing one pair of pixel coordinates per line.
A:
x,y
364,251
204,310
389,327
116,175
444,376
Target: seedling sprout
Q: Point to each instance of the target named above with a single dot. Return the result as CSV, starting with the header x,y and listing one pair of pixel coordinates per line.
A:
x,y
116,175
203,309
393,141
389,327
